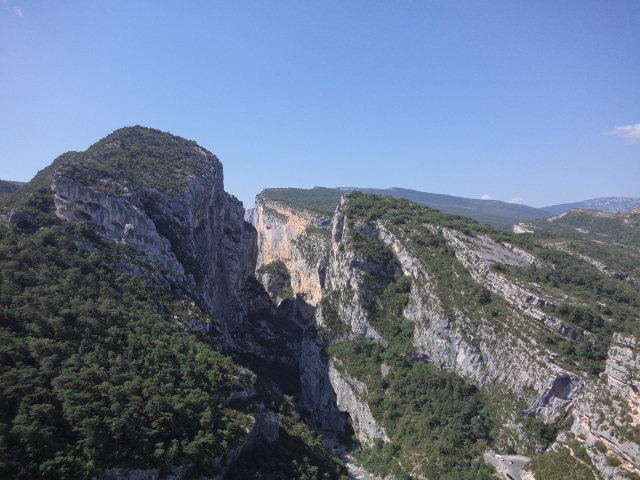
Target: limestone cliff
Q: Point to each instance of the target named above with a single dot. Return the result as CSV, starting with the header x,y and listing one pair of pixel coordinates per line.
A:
x,y
299,238
422,286
496,343
463,341
194,240
607,415
348,397
152,205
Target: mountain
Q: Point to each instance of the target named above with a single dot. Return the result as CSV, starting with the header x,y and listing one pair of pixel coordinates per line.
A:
x,y
135,339
7,187
492,212
148,331
603,204
414,306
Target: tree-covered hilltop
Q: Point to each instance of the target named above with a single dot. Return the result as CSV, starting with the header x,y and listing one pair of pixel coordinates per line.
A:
x,y
319,199
142,156
129,156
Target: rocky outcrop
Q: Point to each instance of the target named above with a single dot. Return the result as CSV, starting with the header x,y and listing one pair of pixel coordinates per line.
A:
x,y
563,247
317,399
477,348
623,370
297,237
346,275
479,253
196,242
349,393
607,415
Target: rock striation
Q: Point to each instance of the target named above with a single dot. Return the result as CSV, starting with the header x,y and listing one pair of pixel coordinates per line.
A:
x,y
195,242
348,392
607,415
297,237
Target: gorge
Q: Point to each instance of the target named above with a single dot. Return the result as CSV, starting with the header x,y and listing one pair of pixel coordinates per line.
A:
x,y
154,329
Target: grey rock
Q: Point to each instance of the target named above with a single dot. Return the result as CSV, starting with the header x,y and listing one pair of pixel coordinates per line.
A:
x,y
348,395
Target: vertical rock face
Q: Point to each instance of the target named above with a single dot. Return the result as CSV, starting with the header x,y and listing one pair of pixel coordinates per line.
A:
x,y
297,237
317,398
472,346
501,351
196,241
607,416
348,393
346,275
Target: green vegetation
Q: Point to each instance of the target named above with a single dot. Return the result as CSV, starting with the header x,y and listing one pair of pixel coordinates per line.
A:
x,y
619,258
321,200
543,434
325,200
608,305
278,267
398,211
498,214
333,326
99,370
141,156
560,466
411,223
279,270
35,197
619,228
298,455
436,420
94,372
313,244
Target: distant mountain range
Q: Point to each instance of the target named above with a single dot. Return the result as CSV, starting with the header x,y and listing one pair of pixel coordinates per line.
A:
x,y
493,212
603,204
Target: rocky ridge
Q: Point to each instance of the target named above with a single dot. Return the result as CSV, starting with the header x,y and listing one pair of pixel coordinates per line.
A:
x,y
204,227
176,229
607,415
466,317
507,356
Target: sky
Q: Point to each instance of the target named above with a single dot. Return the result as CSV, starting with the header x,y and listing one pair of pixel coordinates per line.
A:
x,y
531,102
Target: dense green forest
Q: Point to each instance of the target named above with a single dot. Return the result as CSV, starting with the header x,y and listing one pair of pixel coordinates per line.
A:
x,y
94,372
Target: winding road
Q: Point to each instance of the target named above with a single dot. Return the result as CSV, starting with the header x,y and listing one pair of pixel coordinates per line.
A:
x,y
510,471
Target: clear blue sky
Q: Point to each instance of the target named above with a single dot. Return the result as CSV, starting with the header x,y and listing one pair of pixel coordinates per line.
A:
x,y
510,98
